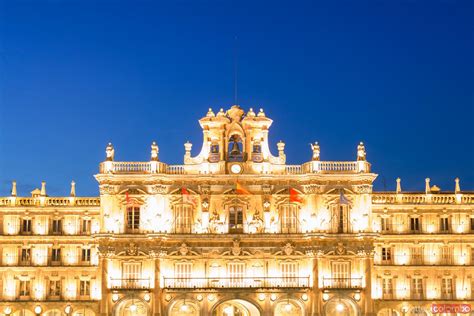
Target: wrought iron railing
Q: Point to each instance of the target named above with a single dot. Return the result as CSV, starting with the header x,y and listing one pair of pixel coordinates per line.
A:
x,y
130,284
242,282
342,283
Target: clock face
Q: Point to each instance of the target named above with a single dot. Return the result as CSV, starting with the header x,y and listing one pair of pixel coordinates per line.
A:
x,y
236,168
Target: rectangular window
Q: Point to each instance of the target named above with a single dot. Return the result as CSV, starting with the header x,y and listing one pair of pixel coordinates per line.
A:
x,y
25,256
415,224
386,255
235,274
385,224
341,274
417,288
446,255
86,226
131,274
472,224
183,274
56,255
236,219
86,255
416,256
289,219
54,287
289,273
26,226
84,288
444,225
133,219
24,287
447,288
183,219
387,289
57,227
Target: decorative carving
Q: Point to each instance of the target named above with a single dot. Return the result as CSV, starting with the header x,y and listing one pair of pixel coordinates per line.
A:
x,y
132,249
236,249
288,249
340,249
363,188
316,151
361,154
158,189
106,189
109,152
183,249
312,188
205,189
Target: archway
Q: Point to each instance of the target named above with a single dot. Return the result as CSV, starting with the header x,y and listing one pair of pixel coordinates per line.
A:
x,y
184,308
340,306
131,307
288,308
236,307
54,312
83,312
388,312
23,312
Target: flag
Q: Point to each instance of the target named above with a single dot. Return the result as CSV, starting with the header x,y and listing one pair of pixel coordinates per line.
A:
x,y
187,197
240,189
295,196
127,198
343,199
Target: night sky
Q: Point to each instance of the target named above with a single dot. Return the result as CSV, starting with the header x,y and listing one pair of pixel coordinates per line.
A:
x,y
74,75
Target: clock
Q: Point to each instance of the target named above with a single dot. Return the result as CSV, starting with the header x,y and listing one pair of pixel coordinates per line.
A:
x,y
236,168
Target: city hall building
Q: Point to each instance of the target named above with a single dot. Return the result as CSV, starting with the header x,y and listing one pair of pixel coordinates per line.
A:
x,y
235,231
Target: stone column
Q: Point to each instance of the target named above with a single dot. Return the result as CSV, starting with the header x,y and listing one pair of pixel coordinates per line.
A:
x,y
156,292
314,296
369,302
103,308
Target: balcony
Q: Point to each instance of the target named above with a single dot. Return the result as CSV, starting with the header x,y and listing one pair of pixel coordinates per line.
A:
x,y
130,284
342,283
233,283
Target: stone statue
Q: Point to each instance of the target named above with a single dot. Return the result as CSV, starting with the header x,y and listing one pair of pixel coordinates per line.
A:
x,y
154,151
109,152
316,151
361,152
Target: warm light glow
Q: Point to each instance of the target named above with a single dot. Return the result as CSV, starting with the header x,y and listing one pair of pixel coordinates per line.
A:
x,y
304,297
261,296
211,297
147,297
115,297
68,309
168,297
38,309
133,307
357,296
7,310
199,297
339,307
229,310
325,297
288,307
273,297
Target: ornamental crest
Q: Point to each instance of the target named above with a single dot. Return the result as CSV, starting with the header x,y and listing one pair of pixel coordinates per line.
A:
x,y
183,249
288,249
132,249
236,249
340,249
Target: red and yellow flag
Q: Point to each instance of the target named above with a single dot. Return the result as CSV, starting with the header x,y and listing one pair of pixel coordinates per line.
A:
x,y
187,197
240,189
295,196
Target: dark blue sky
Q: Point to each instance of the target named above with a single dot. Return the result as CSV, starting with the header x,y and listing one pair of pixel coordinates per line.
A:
x,y
398,75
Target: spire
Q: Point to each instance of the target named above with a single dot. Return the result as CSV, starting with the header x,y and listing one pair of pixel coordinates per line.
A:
x,y
73,189
43,188
457,187
427,186
399,186
13,192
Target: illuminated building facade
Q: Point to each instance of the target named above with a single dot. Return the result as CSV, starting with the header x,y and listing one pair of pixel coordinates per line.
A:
x,y
235,231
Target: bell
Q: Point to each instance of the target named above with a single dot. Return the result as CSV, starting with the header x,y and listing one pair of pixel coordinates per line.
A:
x,y
235,149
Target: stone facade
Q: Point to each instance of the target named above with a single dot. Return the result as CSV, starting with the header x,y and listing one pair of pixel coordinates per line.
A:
x,y
235,231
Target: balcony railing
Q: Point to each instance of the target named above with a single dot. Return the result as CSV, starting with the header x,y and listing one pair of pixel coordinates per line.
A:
x,y
416,260
130,284
243,282
342,283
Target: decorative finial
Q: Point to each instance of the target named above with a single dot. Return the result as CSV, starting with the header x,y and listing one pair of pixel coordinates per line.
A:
x,y
43,188
187,146
251,113
457,187
109,152
399,186
13,192
316,151
221,113
427,186
73,189
361,154
261,113
154,151
210,113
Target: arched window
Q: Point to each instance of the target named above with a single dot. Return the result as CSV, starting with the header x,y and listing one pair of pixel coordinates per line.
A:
x,y
183,219
236,219
289,218
133,219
